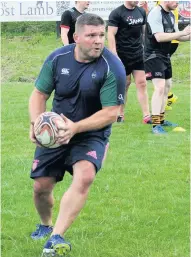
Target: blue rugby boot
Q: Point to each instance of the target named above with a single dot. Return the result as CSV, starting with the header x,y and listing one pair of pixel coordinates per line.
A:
x,y
56,246
167,123
41,231
157,130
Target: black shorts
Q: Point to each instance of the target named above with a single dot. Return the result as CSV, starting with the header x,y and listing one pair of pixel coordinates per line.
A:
x,y
130,66
173,48
53,162
157,68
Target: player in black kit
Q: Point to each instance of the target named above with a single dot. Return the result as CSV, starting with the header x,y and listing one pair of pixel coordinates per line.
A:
x,y
161,29
68,21
125,39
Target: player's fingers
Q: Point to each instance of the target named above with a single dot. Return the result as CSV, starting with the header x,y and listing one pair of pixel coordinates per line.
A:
x,y
63,138
63,141
62,134
37,144
32,137
34,141
61,126
64,117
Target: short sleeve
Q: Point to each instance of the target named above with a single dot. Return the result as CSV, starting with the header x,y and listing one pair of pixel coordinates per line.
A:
x,y
45,80
144,17
155,21
143,12
113,91
114,19
66,19
176,27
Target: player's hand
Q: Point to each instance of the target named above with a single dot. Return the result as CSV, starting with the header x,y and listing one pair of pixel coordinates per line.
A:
x,y
32,136
187,30
66,130
141,3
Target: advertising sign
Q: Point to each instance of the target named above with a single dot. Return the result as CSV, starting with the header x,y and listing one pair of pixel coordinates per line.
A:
x,y
52,10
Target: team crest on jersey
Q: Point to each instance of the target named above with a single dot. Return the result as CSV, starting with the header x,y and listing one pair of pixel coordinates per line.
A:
x,y
94,74
65,71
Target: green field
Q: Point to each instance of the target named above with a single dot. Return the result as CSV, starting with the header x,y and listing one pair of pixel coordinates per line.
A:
x,y
139,203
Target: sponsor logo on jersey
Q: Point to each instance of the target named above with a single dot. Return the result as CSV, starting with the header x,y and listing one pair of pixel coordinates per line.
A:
x,y
132,21
65,71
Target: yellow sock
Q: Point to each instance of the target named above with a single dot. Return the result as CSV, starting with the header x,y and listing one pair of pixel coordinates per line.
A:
x,y
155,120
162,118
170,95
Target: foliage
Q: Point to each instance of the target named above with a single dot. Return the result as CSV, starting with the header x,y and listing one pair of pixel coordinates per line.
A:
x,y
29,27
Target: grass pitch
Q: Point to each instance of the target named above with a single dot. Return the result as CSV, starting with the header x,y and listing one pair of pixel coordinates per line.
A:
x,y
138,205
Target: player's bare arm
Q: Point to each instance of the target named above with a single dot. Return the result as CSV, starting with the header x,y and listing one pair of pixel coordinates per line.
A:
x,y
112,31
64,35
187,37
37,105
166,37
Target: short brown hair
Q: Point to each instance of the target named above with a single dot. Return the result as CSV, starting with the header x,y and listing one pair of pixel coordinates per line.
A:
x,y
88,19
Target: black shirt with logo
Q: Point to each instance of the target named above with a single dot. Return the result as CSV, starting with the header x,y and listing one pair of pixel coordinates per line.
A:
x,y
68,20
129,37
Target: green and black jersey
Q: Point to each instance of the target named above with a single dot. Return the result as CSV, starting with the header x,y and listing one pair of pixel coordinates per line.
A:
x,y
82,89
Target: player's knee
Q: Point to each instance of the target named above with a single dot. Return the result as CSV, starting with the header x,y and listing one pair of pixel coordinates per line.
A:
x,y
160,90
42,186
87,178
141,84
84,178
168,84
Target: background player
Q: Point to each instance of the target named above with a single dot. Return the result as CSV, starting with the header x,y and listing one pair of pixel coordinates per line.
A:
x,y
160,31
68,21
125,39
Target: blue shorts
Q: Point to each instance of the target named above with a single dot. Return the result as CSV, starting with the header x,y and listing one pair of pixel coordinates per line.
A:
x,y
53,162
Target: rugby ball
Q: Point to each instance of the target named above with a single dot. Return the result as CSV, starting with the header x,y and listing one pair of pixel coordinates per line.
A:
x,y
46,129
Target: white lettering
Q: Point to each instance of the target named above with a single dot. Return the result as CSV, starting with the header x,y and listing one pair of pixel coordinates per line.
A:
x,y
135,21
65,71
